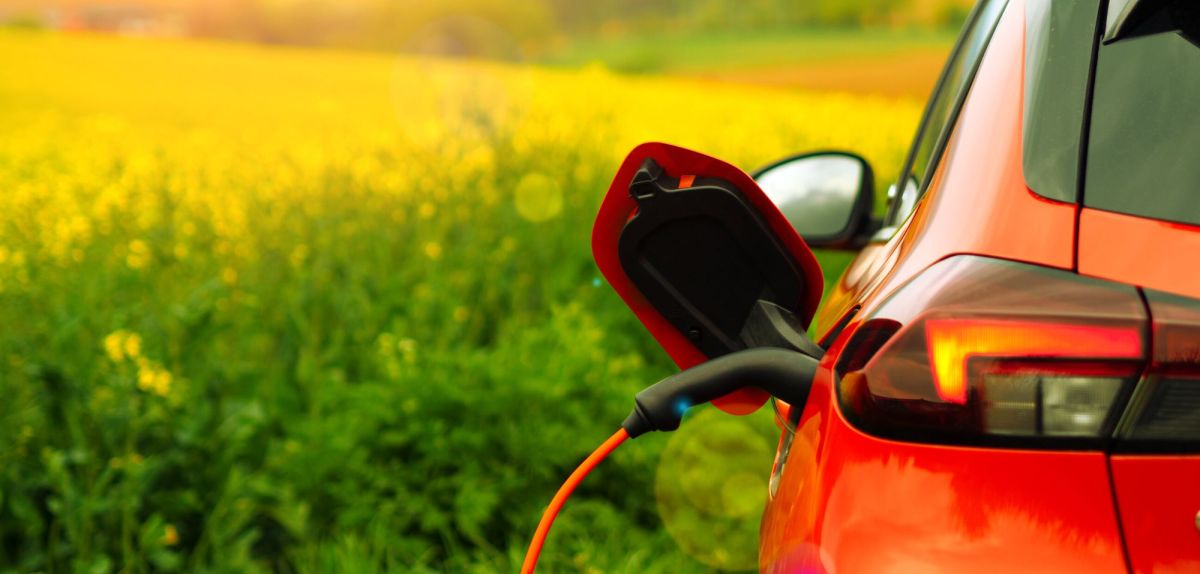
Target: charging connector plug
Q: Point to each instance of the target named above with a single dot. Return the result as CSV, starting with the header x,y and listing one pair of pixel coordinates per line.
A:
x,y
784,374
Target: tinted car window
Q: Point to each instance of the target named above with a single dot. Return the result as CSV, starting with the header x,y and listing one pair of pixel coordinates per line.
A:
x,y
1144,144
1059,37
947,98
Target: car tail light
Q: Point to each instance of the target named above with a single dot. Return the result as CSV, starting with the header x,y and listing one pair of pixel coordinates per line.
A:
x,y
978,350
1164,413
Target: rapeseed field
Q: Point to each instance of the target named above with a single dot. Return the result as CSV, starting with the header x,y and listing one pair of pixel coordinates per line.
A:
x,y
288,310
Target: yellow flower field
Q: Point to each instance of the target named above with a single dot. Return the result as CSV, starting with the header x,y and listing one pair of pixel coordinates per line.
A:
x,y
293,310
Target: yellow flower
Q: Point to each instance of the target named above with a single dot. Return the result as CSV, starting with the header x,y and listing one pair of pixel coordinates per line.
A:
x,y
114,345
122,344
162,382
170,536
146,379
229,275
133,345
139,254
152,378
433,250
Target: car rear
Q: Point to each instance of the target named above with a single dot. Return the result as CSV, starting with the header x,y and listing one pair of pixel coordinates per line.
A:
x,y
993,411
1140,225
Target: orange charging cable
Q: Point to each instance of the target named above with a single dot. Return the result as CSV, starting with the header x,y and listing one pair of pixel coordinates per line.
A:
x,y
564,492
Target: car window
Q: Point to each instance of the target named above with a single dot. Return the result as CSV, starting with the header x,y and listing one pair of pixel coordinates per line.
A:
x,y
1145,129
943,107
1059,37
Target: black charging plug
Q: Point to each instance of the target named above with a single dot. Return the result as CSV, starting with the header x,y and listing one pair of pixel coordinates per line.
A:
x,y
784,374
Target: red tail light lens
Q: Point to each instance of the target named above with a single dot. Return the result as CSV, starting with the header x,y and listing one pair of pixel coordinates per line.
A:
x,y
952,343
1164,412
990,351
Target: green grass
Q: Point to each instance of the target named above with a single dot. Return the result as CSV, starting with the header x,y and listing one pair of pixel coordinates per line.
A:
x,y
693,53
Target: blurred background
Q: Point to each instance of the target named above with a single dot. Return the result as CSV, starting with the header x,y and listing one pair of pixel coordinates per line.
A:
x,y
305,285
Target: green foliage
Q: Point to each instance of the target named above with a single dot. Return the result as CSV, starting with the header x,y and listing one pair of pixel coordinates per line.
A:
x,y
717,51
334,415
258,317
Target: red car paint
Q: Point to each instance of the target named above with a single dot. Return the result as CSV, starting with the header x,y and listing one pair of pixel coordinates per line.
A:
x,y
978,201
848,502
1126,248
1158,496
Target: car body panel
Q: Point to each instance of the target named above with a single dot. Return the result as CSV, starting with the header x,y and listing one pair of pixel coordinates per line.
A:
x,y
1157,493
843,500
977,201
849,502
1133,249
1159,498
852,503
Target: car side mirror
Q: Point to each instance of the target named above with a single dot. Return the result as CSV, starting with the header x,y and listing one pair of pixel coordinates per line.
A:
x,y
827,196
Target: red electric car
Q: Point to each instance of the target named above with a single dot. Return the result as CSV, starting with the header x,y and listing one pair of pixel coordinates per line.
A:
x,y
1009,375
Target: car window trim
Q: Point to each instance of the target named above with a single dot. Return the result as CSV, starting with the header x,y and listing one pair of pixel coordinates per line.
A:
x,y
952,119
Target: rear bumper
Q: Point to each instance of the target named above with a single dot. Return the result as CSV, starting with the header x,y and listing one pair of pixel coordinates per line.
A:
x,y
852,503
